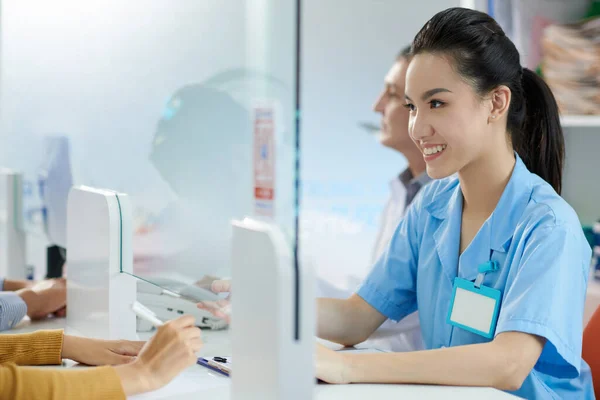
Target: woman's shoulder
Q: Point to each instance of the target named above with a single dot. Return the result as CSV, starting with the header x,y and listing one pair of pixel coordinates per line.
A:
x,y
548,208
550,224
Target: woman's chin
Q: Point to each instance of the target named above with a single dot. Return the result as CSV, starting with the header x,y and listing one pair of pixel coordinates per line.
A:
x,y
436,172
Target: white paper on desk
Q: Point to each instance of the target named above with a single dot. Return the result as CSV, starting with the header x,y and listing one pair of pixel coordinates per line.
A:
x,y
189,381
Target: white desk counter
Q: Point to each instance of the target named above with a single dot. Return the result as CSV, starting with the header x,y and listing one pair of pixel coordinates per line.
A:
x,y
199,383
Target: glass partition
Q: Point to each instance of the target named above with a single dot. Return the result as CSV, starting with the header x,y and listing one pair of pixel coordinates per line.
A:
x,y
190,107
186,106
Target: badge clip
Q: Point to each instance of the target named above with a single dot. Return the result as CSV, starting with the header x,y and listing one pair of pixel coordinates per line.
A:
x,y
483,269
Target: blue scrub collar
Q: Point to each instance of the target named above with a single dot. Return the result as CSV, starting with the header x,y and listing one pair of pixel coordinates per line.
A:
x,y
507,213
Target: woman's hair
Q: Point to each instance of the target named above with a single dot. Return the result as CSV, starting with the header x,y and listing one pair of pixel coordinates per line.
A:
x,y
486,58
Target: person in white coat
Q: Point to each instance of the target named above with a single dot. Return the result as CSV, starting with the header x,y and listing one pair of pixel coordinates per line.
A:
x,y
406,334
394,135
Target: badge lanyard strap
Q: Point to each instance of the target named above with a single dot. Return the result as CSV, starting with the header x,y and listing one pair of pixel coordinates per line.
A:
x,y
483,269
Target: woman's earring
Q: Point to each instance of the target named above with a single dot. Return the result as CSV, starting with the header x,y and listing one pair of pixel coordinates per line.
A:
x,y
493,116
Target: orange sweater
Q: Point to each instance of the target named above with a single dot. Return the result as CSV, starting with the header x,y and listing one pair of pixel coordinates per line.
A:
x,y
45,348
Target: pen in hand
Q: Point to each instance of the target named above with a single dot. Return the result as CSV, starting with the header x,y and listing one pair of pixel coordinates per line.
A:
x,y
144,313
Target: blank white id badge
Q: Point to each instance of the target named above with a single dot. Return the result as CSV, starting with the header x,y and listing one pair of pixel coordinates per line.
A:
x,y
474,309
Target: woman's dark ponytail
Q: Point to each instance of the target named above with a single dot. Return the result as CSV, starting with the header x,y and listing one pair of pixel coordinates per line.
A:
x,y
487,58
540,143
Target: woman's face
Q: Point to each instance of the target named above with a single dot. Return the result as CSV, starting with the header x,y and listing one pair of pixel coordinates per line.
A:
x,y
448,120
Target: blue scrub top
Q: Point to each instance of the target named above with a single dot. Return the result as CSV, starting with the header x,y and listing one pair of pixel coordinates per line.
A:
x,y
544,259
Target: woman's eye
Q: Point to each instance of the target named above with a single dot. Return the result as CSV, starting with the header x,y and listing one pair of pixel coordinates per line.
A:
x,y
409,106
436,103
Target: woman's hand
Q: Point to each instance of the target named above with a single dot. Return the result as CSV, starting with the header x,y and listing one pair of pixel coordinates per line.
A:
x,y
331,366
171,350
100,352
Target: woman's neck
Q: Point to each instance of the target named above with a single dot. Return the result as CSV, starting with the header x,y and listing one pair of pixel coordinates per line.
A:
x,y
483,181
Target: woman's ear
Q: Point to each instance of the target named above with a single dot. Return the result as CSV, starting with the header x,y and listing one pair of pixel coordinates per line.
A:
x,y
500,100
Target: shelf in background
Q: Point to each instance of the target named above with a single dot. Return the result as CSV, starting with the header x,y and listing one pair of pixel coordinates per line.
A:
x,y
584,121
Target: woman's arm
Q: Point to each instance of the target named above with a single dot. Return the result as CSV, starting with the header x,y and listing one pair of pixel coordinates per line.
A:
x,y
37,348
347,322
46,348
25,383
503,363
172,349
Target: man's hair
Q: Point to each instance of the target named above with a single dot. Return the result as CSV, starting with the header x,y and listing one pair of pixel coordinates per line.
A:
x,y
404,54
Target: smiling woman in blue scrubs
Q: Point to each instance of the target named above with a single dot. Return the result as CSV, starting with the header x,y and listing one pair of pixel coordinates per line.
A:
x,y
491,256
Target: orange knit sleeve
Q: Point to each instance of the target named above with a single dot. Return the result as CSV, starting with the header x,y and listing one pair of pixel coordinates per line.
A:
x,y
37,348
27,383
45,348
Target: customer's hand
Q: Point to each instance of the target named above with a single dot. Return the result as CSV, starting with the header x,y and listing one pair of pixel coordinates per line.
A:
x,y
100,352
61,313
45,297
171,350
221,286
14,285
222,308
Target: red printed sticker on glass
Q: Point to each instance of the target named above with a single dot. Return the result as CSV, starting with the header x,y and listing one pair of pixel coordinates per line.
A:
x,y
264,160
